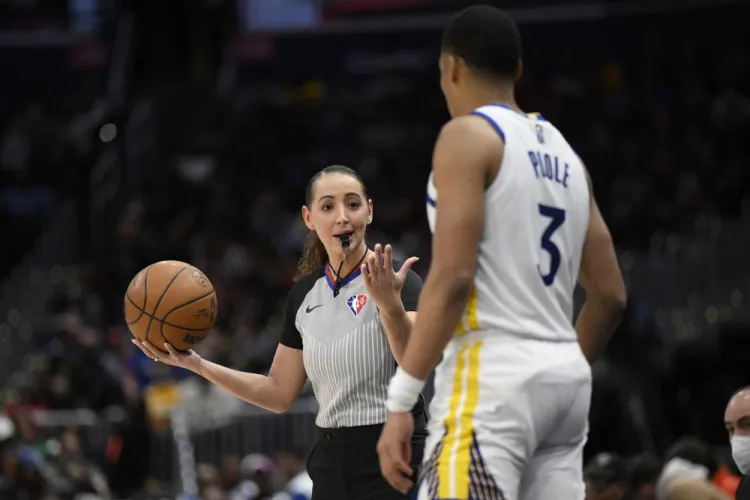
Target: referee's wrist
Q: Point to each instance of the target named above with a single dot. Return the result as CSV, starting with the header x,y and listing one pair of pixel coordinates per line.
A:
x,y
393,309
403,392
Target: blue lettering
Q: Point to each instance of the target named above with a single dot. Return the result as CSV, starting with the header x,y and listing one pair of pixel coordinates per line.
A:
x,y
534,163
548,167
557,170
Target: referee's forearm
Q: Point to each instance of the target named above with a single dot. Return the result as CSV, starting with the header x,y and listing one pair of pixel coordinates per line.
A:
x,y
397,326
253,388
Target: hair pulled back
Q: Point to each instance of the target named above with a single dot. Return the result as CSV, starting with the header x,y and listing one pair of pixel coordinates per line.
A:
x,y
314,253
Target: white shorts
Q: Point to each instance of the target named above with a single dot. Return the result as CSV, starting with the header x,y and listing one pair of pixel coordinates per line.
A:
x,y
508,421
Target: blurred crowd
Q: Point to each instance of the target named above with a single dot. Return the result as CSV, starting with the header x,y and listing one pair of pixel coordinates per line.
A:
x,y
661,127
47,147
610,476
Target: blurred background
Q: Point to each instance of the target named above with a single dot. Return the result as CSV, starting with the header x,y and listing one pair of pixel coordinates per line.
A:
x,y
137,131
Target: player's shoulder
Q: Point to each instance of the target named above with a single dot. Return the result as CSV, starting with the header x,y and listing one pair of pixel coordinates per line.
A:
x,y
472,139
473,129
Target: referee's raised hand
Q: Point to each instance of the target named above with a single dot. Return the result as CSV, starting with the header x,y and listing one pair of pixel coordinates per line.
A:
x,y
382,282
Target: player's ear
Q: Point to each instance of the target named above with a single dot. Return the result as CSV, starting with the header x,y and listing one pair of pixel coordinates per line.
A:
x,y
452,66
369,212
519,71
307,217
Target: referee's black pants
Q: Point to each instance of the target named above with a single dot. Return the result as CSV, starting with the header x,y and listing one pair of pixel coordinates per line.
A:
x,y
344,465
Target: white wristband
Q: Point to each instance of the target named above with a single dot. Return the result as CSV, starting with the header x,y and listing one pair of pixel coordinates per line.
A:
x,y
403,392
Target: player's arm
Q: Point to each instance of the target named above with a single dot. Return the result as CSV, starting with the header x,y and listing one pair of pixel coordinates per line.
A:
x,y
465,152
600,276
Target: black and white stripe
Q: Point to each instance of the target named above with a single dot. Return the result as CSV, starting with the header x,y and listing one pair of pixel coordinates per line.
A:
x,y
346,352
350,376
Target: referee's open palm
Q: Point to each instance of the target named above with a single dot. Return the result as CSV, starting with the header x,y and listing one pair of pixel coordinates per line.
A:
x,y
382,282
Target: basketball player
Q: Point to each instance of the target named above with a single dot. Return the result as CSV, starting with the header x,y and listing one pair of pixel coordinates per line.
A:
x,y
515,225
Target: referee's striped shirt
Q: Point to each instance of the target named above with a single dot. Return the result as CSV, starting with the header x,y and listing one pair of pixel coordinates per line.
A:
x,y
345,350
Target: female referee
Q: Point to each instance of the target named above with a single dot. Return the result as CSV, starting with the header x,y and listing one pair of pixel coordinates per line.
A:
x,y
347,320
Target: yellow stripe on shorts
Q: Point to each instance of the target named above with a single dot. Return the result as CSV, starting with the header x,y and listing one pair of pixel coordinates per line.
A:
x,y
470,315
455,457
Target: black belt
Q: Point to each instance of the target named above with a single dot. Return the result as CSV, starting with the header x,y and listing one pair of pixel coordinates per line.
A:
x,y
358,433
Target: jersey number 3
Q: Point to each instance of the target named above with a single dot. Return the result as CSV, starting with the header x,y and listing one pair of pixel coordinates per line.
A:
x,y
557,217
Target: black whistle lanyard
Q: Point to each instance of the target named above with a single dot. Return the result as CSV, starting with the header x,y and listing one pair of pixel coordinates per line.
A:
x,y
340,282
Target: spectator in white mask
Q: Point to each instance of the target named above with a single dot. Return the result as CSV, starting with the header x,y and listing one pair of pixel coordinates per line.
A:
x,y
737,422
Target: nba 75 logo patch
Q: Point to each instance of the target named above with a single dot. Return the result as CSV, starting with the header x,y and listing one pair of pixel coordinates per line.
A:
x,y
356,303
539,133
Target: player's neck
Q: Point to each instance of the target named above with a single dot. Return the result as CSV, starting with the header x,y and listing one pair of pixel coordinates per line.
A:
x,y
353,259
484,95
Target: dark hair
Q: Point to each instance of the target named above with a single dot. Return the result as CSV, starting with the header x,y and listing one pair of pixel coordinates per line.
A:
x,y
644,469
605,469
314,253
487,39
696,451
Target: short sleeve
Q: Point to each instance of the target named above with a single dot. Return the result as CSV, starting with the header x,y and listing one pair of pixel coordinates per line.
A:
x,y
411,290
290,336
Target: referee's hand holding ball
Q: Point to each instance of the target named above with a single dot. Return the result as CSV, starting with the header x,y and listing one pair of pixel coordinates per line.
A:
x,y
382,282
188,360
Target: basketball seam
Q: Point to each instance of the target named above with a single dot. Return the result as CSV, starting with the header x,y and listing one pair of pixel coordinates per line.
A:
x,y
132,302
161,328
175,326
145,289
145,298
127,296
158,302
167,322
187,303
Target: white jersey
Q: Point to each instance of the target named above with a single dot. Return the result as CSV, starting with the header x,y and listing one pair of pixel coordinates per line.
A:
x,y
535,224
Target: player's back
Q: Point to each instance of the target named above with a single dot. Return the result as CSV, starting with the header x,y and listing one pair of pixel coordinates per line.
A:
x,y
536,218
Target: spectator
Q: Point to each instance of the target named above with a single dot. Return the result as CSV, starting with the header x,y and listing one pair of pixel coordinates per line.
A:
x,y
737,422
644,472
298,484
690,465
606,477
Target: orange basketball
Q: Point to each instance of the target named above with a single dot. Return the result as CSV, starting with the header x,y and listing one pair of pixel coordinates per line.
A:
x,y
170,301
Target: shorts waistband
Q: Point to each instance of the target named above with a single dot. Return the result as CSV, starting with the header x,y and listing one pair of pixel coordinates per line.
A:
x,y
502,336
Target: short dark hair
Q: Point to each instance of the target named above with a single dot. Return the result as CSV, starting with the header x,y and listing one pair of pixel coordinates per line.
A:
x,y
605,469
696,451
644,469
487,39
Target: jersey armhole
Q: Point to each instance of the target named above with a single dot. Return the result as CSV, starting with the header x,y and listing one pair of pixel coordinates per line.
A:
x,y
492,122
501,133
